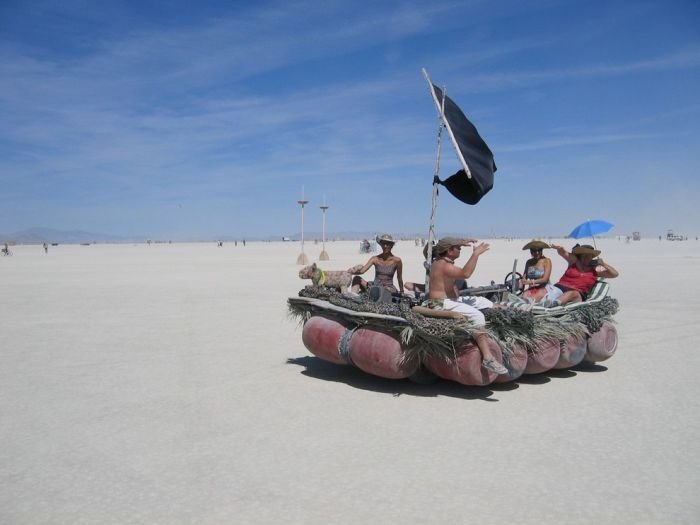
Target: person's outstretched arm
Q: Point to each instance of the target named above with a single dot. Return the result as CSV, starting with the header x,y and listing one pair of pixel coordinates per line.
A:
x,y
469,268
366,267
569,257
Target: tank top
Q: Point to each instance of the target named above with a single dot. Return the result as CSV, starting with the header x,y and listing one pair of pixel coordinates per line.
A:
x,y
384,275
533,272
577,280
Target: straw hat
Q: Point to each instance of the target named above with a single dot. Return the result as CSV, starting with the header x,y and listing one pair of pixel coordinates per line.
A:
x,y
585,249
536,245
385,237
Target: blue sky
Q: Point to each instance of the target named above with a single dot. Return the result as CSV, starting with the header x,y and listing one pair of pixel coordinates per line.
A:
x,y
186,120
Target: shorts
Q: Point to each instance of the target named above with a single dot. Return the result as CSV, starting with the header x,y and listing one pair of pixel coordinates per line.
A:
x,y
584,295
469,307
553,294
548,287
557,291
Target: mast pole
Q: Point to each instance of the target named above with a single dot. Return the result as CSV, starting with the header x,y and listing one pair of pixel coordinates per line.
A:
x,y
436,181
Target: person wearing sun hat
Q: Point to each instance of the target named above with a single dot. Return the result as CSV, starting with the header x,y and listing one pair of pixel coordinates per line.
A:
x,y
386,264
385,238
538,269
443,293
580,276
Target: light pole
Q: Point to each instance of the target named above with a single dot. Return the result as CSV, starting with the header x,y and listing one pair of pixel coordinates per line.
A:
x,y
302,259
324,254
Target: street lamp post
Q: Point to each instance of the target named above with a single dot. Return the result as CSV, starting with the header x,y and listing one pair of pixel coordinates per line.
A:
x,y
302,259
324,254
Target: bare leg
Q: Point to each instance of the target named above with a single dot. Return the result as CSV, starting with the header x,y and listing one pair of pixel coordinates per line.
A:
x,y
483,343
572,296
358,284
488,360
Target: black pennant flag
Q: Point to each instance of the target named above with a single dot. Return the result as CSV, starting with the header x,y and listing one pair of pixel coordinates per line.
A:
x,y
473,151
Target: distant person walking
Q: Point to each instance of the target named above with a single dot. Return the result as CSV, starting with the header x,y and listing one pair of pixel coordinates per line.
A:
x,y
46,248
6,250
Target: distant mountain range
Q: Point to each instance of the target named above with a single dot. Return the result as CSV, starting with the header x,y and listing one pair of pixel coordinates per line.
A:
x,y
50,235
345,236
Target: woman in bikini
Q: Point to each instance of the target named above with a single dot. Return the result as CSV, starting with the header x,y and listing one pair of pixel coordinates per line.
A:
x,y
385,265
537,272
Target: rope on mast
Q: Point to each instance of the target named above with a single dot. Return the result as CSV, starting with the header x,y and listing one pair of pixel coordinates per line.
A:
x,y
436,182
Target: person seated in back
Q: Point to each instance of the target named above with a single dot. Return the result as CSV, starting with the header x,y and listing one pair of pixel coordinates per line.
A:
x,y
443,291
538,269
580,277
386,264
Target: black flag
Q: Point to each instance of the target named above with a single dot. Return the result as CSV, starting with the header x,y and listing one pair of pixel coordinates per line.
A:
x,y
473,151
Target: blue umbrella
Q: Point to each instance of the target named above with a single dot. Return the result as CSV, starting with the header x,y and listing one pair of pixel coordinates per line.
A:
x,y
591,228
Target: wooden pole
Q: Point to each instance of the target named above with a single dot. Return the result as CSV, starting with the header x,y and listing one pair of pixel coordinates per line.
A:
x,y
324,254
302,259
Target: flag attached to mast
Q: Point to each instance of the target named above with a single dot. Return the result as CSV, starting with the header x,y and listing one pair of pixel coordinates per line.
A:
x,y
475,179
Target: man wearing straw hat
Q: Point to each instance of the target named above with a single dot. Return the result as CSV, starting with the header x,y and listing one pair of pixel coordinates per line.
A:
x,y
443,292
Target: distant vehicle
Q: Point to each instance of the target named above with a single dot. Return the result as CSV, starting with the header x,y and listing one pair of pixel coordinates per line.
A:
x,y
636,236
670,236
286,239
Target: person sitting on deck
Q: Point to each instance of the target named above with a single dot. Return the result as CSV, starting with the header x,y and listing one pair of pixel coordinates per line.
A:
x,y
415,289
443,292
386,264
580,277
537,272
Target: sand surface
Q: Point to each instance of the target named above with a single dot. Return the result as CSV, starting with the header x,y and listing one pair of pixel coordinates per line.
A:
x,y
166,384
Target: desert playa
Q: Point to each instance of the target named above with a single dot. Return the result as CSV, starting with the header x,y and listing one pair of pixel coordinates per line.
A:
x,y
165,383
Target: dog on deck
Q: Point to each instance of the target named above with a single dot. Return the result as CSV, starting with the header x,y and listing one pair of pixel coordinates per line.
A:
x,y
338,279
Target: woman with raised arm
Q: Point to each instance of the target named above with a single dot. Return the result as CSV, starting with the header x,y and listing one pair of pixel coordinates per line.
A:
x,y
580,276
